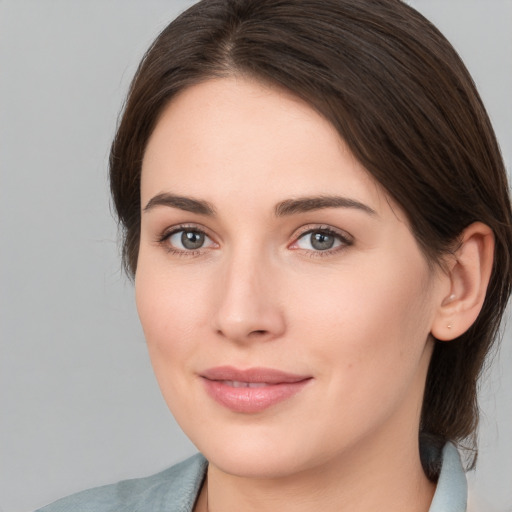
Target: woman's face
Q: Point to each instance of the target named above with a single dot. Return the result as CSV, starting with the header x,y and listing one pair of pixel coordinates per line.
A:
x,y
285,302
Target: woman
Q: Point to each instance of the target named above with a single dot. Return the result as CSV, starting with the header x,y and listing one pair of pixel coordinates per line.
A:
x,y
317,219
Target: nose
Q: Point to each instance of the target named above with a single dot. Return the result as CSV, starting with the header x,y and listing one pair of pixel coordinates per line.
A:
x,y
249,306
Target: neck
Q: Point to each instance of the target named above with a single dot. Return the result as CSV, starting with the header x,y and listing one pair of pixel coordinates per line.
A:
x,y
361,481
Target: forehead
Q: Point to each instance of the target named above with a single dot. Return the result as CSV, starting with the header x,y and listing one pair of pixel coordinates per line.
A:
x,y
238,138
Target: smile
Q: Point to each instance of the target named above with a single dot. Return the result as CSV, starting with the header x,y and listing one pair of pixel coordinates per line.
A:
x,y
253,390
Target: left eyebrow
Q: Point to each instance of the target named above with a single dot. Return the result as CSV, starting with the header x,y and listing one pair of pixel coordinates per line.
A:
x,y
307,204
187,204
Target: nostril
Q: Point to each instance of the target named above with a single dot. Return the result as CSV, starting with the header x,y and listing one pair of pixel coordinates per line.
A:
x,y
258,333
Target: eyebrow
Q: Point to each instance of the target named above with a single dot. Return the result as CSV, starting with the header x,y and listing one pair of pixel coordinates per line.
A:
x,y
182,203
307,204
282,209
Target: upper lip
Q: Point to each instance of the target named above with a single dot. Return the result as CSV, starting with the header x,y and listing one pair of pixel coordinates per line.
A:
x,y
266,375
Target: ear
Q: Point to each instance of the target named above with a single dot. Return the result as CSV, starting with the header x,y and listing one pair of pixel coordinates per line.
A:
x,y
468,274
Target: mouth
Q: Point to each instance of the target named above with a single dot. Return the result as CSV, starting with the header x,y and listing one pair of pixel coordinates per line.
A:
x,y
252,390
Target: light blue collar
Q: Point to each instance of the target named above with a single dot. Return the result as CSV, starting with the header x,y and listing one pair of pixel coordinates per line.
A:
x,y
177,488
451,492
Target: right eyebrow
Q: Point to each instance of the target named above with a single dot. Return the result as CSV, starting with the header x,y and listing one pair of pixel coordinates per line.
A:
x,y
182,203
308,204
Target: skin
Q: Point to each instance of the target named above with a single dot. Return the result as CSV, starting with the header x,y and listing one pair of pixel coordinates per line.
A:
x,y
356,318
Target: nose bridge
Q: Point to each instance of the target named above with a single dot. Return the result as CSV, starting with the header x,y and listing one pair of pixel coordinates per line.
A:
x,y
248,306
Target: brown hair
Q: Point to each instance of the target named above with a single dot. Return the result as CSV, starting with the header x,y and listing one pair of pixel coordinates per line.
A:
x,y
402,100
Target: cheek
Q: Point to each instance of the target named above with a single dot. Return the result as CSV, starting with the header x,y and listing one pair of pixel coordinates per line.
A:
x,y
383,296
171,308
367,327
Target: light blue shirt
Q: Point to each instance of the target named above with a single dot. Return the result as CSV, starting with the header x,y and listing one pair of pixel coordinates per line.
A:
x,y
176,490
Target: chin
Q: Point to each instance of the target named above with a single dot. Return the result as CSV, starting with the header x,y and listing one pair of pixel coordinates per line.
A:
x,y
258,451
256,463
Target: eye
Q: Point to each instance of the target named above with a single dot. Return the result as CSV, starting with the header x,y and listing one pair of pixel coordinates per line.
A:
x,y
323,239
187,239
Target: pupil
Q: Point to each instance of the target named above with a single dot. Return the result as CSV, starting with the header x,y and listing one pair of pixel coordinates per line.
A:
x,y
192,239
321,241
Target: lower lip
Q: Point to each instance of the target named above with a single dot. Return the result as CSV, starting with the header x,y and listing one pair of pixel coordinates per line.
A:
x,y
252,400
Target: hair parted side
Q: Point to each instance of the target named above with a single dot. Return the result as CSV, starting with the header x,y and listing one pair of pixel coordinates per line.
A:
x,y
400,97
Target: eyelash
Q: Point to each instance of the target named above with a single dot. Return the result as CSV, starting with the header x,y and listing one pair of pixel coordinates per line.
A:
x,y
164,238
345,239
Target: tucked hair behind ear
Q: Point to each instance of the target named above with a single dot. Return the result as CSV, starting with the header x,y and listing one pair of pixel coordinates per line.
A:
x,y
402,100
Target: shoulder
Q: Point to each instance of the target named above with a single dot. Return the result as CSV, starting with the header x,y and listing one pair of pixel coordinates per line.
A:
x,y
174,489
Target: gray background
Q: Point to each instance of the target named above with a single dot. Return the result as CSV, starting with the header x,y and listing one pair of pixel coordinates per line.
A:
x,y
79,405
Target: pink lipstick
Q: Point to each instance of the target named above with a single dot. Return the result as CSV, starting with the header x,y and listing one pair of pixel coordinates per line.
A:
x,y
252,390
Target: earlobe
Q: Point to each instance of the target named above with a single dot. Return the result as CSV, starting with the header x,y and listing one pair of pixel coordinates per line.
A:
x,y
469,273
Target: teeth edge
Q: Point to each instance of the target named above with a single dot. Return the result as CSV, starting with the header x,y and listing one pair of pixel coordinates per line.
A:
x,y
238,384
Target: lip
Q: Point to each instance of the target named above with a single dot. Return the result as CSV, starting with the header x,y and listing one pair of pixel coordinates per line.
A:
x,y
252,390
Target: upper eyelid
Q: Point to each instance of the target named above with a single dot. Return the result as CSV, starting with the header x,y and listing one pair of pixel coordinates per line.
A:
x,y
311,228
171,230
